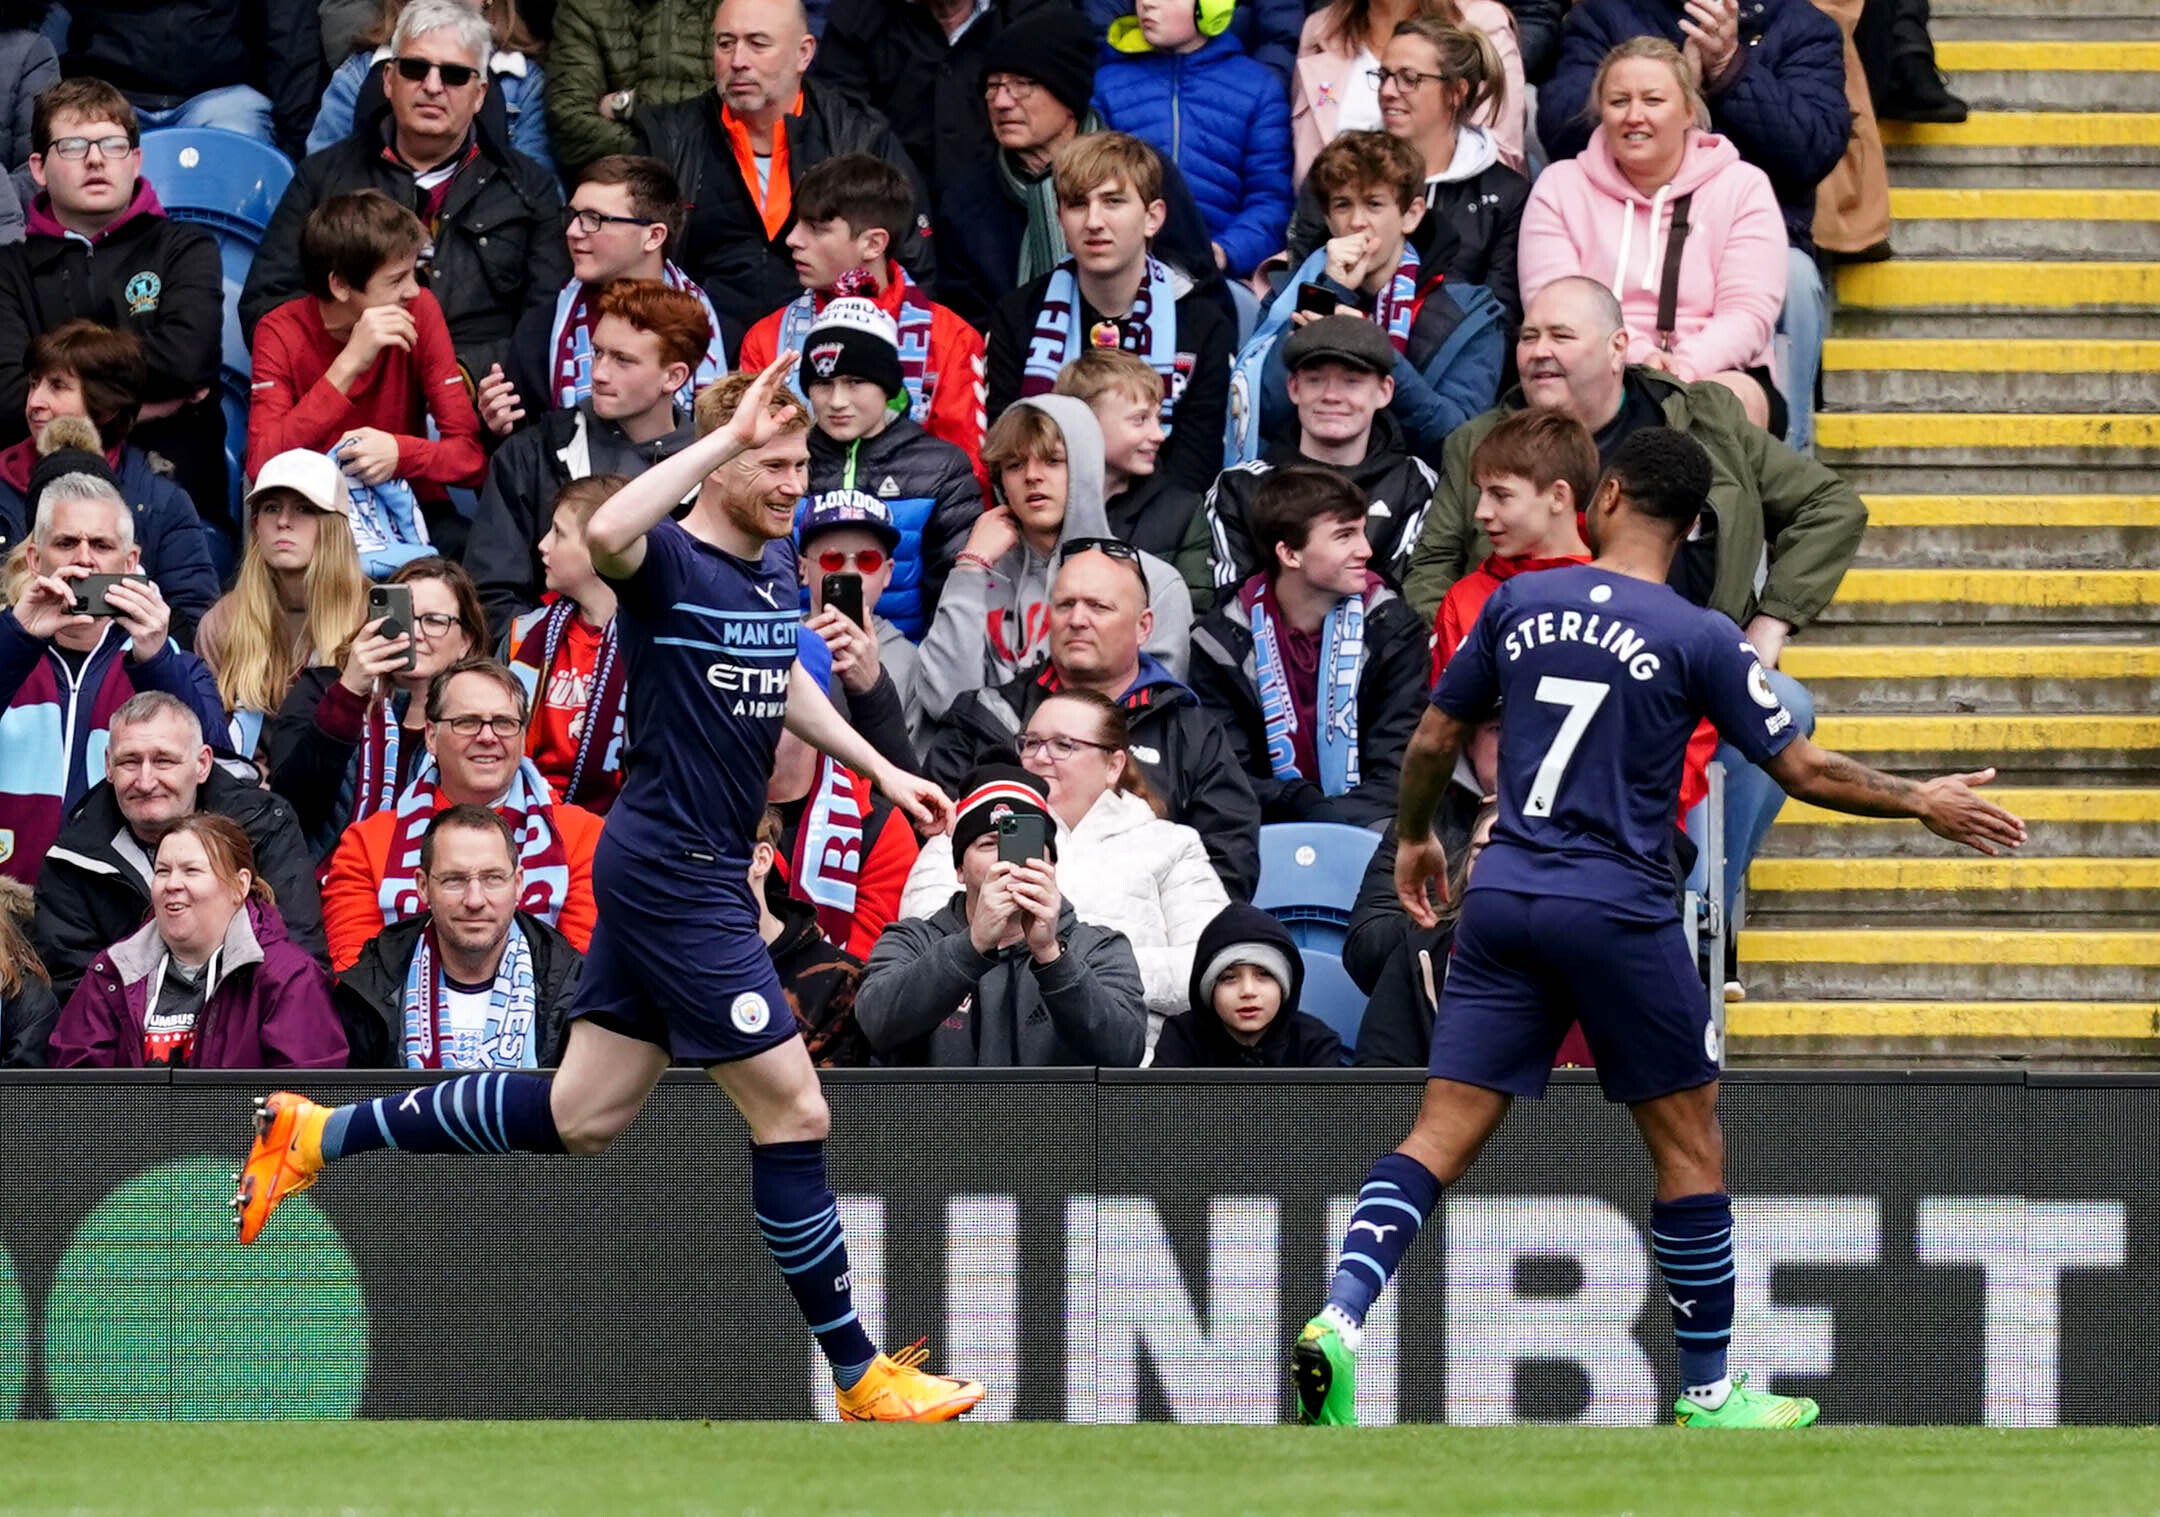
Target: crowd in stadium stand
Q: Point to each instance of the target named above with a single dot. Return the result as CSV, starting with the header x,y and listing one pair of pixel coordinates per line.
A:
x,y
1183,379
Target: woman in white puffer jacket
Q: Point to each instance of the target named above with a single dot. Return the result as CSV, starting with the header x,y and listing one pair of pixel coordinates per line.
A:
x,y
1119,863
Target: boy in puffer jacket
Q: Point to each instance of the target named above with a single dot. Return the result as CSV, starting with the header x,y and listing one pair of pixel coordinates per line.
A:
x,y
865,441
1451,338
1185,86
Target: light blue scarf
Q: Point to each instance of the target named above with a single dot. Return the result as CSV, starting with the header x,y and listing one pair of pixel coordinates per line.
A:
x,y
1335,704
510,1038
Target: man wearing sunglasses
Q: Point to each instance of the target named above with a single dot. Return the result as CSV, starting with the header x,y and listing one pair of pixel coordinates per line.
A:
x,y
475,736
494,217
100,248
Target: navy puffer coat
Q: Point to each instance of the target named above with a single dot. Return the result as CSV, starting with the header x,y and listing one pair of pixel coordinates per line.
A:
x,y
1224,120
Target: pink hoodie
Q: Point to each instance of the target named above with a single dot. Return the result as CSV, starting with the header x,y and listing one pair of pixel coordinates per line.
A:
x,y
1585,218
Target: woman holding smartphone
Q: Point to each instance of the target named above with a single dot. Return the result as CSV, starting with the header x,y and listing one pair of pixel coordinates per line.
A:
x,y
348,738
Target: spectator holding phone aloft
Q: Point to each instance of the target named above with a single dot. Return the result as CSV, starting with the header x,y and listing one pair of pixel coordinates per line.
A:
x,y
848,544
72,654
1005,974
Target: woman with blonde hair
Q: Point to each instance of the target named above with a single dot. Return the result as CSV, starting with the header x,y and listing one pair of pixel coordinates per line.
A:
x,y
1340,54
299,592
1119,863
1666,214
211,981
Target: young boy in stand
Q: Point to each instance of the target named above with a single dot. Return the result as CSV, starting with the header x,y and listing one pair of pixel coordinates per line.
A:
x,y
362,363
565,654
848,211
1144,504
1245,982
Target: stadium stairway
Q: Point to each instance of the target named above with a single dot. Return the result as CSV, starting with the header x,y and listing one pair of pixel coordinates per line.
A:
x,y
1994,393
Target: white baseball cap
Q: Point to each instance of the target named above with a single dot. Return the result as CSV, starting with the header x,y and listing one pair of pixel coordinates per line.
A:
x,y
314,477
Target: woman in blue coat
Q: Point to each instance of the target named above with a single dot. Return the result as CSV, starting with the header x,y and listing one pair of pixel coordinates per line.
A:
x,y
1180,81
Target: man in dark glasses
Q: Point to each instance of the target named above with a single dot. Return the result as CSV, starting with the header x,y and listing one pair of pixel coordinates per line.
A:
x,y
493,215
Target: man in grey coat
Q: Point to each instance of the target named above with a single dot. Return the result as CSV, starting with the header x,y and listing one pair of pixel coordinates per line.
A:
x,y
1005,975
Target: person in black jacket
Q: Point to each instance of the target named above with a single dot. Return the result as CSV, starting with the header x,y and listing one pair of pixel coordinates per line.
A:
x,y
1338,375
1245,983
470,982
494,215
1316,668
28,1007
248,66
100,248
94,887
736,243
1398,964
818,978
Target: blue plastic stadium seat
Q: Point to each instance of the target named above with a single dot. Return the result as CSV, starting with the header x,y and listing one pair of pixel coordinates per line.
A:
x,y
1309,875
1332,996
220,179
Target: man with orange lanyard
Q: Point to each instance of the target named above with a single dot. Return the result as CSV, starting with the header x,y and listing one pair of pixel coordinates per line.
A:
x,y
739,152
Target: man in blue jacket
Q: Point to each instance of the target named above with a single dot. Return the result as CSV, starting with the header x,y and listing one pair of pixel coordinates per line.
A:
x,y
1773,72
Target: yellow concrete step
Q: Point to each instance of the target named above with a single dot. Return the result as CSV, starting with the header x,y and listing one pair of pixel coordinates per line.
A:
x,y
2037,589
1965,873
1949,946
1985,736
1984,355
1960,57
1981,283
2030,129
2103,804
2101,203
2028,1021
2058,661
1994,430
2013,510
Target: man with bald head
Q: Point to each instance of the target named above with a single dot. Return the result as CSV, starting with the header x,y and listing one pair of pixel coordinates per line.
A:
x,y
1099,618
1766,501
739,149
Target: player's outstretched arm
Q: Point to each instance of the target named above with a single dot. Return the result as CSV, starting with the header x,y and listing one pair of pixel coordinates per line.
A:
x,y
1428,764
617,530
812,717
1948,806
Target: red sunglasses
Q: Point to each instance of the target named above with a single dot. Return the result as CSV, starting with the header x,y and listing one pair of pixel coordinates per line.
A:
x,y
865,560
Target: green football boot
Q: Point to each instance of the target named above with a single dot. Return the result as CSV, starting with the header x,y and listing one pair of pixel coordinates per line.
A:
x,y
1746,1408
1324,1368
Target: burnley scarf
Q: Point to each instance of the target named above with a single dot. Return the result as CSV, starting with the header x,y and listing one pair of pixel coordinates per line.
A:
x,y
507,1040
600,733
829,848
913,319
1335,704
530,811
1150,331
382,734
1396,306
570,342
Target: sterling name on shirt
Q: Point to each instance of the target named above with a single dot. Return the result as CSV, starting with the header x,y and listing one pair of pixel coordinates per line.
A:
x,y
1615,637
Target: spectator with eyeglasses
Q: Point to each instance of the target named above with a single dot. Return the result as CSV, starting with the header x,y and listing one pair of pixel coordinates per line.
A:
x,y
516,81
348,737
253,68
646,343
1045,456
100,248
472,980
1121,863
475,737
624,221
493,216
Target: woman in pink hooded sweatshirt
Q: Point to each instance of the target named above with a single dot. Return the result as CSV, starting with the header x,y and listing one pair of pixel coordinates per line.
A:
x,y
1609,214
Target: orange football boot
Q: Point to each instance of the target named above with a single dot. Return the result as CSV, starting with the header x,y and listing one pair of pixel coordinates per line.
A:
x,y
896,1388
286,1159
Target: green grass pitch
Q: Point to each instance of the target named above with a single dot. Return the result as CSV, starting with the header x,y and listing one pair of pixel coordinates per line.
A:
x,y
534,1469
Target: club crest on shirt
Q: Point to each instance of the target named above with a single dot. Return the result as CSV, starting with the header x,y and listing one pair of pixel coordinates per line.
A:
x,y
141,293
750,1013
7,844
823,358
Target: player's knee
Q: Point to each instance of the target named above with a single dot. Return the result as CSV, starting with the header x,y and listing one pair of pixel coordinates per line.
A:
x,y
586,1133
806,1119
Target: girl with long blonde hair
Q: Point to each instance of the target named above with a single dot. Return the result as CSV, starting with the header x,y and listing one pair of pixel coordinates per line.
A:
x,y
298,595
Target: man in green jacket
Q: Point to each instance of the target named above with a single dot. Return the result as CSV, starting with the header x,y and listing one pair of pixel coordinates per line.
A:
x,y
611,56
1779,532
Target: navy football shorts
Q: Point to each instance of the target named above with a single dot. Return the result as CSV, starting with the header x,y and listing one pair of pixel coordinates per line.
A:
x,y
676,959
1524,967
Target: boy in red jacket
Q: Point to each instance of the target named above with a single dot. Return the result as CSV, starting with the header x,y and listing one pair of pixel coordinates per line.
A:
x,y
848,210
361,363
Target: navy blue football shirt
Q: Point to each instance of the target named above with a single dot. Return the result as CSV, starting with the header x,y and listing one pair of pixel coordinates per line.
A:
x,y
1599,680
708,640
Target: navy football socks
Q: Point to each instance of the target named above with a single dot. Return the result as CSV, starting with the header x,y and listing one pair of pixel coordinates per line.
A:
x,y
1399,1195
476,1114
801,1226
1693,1240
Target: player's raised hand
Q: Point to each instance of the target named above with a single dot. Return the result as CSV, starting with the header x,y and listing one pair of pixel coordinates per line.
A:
x,y
753,424
1421,864
929,808
1951,808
